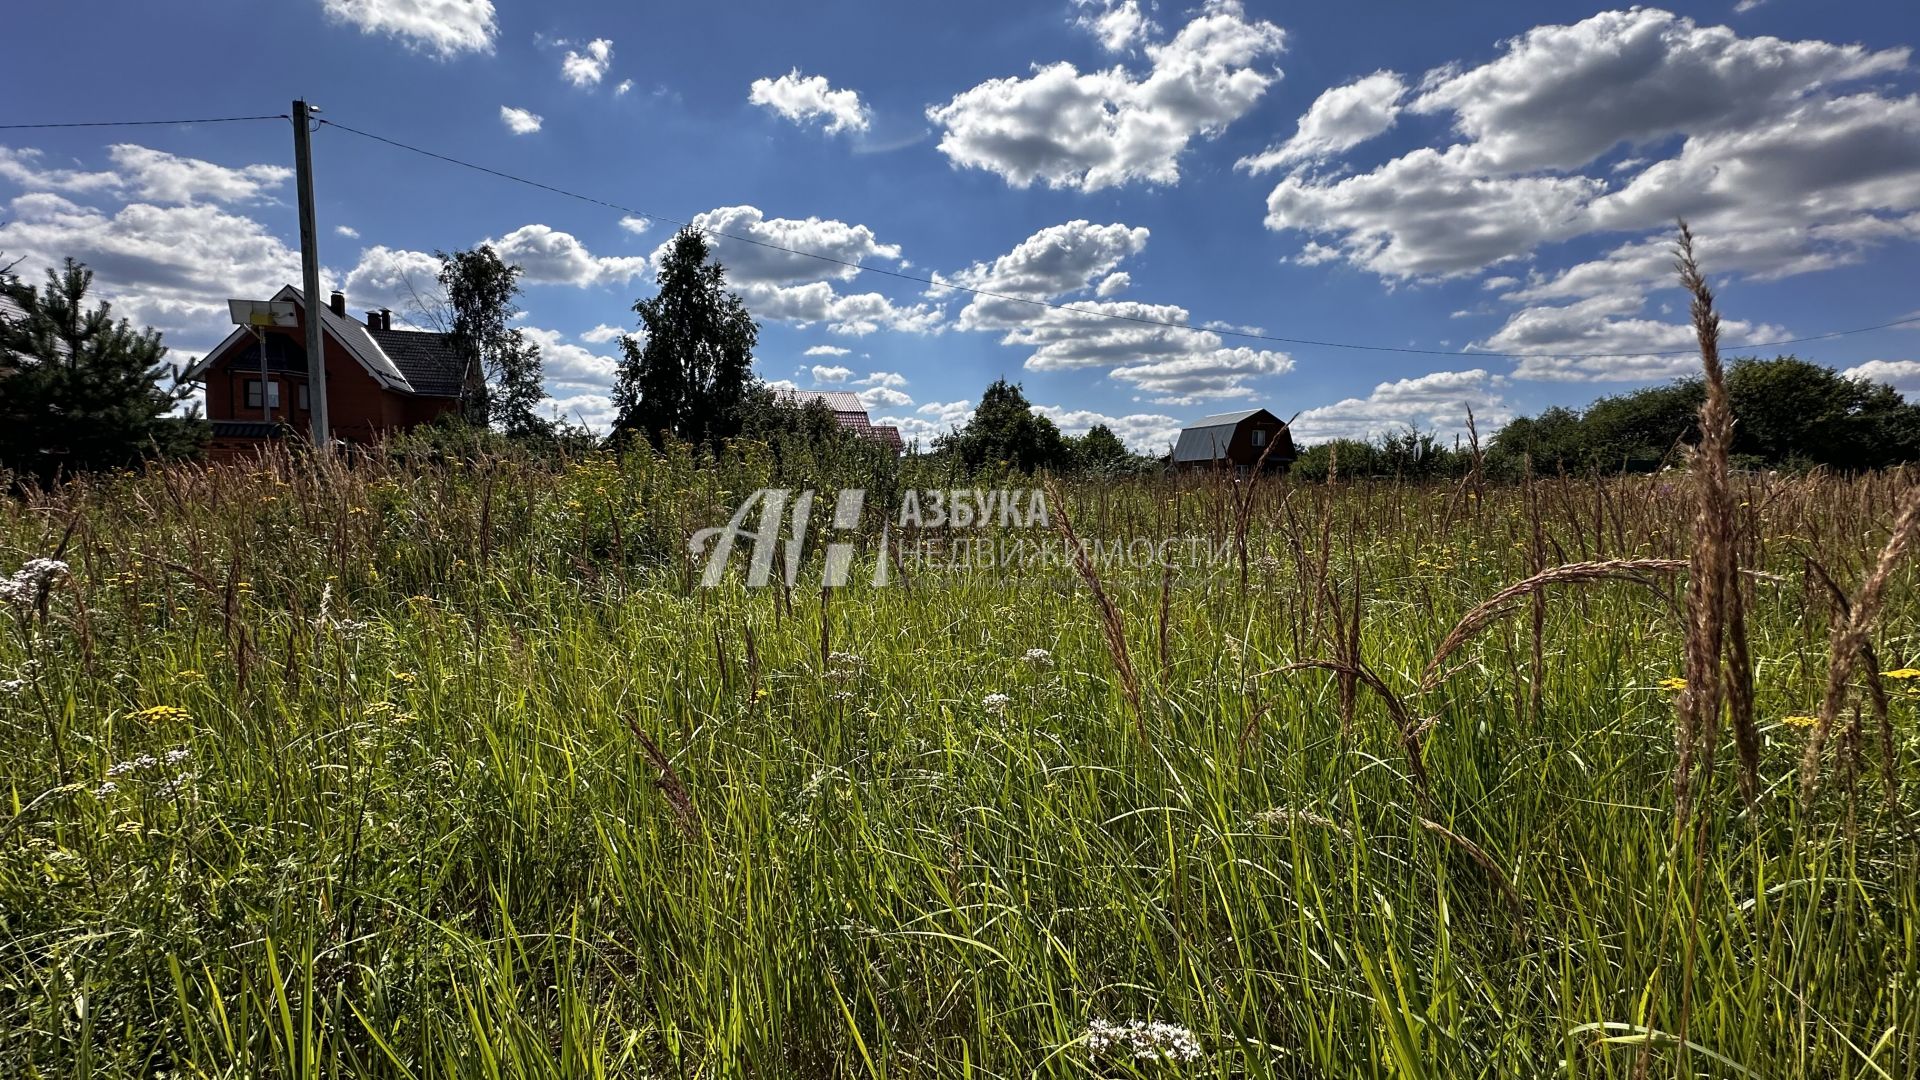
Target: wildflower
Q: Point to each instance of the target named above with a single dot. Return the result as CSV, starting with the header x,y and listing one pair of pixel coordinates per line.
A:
x,y
162,714
1039,657
1800,721
33,579
188,675
996,703
404,678
1673,685
1901,673
106,788
844,665
177,755
13,686
1281,817
168,789
133,765
1142,1041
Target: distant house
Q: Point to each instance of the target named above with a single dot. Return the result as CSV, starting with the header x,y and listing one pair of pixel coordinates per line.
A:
x,y
848,410
379,380
1235,440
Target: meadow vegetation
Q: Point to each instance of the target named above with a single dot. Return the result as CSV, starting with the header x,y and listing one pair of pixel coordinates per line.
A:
x,y
435,766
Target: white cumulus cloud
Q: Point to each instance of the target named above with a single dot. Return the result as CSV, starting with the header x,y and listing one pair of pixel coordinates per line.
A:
x,y
519,121
807,98
587,67
1098,129
445,28
549,256
1437,402
1337,121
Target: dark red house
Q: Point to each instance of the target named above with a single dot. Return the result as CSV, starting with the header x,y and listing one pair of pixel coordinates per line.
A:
x,y
379,380
1237,441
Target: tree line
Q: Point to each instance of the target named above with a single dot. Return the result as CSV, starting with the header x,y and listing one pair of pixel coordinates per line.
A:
x,y
80,389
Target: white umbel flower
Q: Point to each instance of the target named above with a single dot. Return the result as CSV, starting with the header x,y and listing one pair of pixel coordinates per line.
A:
x,y
996,703
1142,1040
38,575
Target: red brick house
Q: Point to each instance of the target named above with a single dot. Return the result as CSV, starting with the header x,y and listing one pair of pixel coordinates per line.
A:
x,y
379,380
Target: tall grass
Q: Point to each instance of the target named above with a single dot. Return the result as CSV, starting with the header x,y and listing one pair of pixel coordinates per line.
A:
x,y
469,778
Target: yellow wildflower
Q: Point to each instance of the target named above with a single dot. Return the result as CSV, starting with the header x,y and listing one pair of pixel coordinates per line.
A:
x,y
162,714
188,675
1901,673
1673,685
1800,721
404,677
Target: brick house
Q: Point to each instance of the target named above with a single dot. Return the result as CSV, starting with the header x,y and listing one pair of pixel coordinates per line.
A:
x,y
379,380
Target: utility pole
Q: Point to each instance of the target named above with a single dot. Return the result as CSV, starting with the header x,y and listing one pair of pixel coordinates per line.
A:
x,y
310,276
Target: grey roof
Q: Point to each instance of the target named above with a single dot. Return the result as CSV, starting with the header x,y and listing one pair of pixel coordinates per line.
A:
x,y
839,401
431,364
1206,439
1225,419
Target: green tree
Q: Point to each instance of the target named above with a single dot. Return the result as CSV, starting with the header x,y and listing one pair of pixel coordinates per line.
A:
x,y
1792,413
1555,441
1788,413
482,293
1101,451
691,375
81,390
1005,432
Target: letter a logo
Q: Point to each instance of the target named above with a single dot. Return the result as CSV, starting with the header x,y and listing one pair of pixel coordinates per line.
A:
x,y
773,508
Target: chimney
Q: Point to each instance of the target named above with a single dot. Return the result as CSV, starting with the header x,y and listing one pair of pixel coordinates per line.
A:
x,y
339,303
373,320
386,319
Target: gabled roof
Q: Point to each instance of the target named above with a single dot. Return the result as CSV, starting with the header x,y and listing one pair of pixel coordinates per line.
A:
x,y
1207,438
429,361
840,401
350,333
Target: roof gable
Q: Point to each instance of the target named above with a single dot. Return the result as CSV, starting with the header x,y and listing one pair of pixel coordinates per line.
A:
x,y
1207,438
350,334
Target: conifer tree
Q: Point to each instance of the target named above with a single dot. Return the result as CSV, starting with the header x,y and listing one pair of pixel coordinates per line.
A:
x,y
81,390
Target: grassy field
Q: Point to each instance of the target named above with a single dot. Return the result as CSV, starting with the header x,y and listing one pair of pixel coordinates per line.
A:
x,y
424,770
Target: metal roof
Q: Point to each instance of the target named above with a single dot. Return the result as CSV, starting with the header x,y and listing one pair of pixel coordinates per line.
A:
x,y
839,401
1207,438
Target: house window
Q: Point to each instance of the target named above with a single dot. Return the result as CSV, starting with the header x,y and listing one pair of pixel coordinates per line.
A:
x,y
301,398
1259,438
253,394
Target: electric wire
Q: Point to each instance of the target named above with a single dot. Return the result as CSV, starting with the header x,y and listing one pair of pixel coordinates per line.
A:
x,y
141,123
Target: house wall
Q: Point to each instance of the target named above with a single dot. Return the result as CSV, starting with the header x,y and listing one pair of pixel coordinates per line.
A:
x,y
1241,451
360,409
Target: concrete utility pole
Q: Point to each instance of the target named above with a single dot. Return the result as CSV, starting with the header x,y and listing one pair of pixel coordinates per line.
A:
x,y
310,275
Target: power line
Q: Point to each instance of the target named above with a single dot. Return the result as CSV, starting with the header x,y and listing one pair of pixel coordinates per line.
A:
x,y
140,123
1116,316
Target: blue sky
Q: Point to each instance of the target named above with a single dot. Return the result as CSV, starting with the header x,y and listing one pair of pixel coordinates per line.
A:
x,y
1495,177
